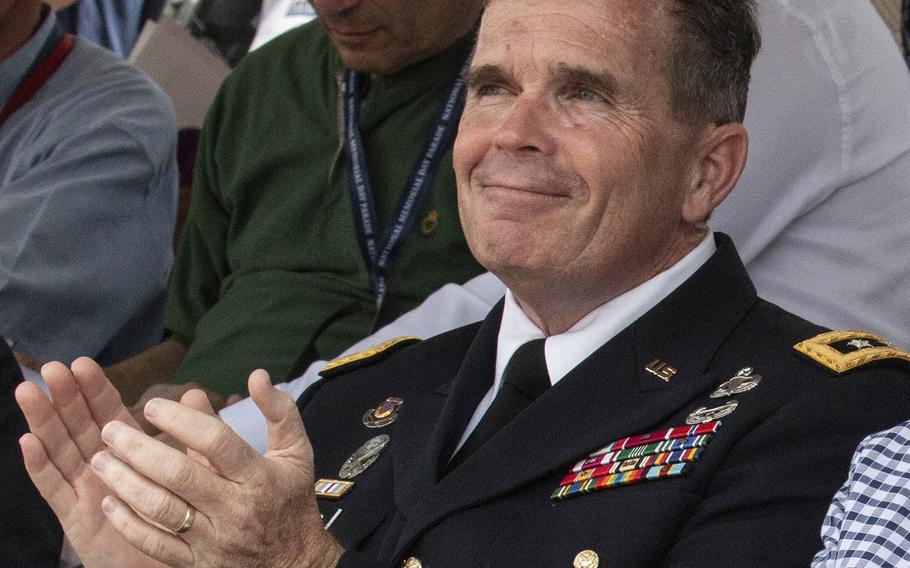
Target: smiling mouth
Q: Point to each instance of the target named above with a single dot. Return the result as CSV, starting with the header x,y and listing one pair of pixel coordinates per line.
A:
x,y
524,190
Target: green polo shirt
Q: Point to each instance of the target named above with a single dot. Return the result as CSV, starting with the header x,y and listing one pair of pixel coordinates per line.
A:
x,y
269,264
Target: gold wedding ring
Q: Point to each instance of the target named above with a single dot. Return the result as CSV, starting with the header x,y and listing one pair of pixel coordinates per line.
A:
x,y
187,521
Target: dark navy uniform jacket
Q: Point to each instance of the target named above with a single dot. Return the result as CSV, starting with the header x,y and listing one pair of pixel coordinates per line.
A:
x,y
756,496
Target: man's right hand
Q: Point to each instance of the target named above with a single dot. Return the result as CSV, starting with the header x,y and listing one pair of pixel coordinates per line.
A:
x,y
65,434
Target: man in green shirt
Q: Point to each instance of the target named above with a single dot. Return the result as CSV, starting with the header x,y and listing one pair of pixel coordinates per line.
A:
x,y
289,248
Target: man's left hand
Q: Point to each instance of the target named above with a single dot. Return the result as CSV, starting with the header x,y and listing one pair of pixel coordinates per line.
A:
x,y
248,509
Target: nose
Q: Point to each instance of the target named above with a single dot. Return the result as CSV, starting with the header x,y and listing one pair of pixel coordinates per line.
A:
x,y
329,8
525,127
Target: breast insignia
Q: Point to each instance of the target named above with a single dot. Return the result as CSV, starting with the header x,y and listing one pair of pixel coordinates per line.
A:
x,y
586,559
704,414
376,353
744,381
363,457
384,414
845,350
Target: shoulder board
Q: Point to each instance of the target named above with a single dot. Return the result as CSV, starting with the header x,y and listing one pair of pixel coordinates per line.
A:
x,y
846,349
367,356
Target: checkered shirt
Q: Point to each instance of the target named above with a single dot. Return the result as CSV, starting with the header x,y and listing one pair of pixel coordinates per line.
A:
x,y
868,523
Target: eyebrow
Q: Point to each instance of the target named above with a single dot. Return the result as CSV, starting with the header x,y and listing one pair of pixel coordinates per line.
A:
x,y
487,73
601,80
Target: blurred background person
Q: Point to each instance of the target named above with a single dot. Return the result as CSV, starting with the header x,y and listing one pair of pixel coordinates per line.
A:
x,y
87,194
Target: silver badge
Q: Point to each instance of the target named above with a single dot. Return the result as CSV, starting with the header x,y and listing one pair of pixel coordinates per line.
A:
x,y
742,382
363,457
704,414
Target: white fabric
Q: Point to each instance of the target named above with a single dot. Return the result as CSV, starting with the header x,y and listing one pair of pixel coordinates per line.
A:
x,y
449,307
821,215
279,16
564,351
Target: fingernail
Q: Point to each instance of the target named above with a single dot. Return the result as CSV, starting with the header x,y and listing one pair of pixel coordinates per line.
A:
x,y
108,433
100,461
108,505
151,408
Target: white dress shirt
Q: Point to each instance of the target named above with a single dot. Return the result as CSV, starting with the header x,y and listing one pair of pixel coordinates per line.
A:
x,y
564,351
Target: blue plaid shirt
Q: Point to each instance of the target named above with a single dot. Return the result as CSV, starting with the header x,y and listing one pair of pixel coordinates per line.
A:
x,y
868,523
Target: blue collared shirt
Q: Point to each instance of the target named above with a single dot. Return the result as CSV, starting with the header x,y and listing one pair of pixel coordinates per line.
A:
x,y
88,183
868,523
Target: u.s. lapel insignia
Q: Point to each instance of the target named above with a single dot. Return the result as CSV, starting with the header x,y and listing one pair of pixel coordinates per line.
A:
x,y
704,414
847,349
384,414
745,380
363,457
332,488
661,370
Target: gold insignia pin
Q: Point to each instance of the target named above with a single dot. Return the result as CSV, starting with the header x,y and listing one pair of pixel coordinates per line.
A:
x,y
412,562
661,370
429,223
586,559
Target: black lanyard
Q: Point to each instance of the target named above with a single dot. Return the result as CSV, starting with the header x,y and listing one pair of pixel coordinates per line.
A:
x,y
54,51
378,255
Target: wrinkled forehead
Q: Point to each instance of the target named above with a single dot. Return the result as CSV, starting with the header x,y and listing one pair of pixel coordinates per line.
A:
x,y
621,30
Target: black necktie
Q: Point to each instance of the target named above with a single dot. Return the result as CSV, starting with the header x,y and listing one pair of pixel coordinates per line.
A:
x,y
524,379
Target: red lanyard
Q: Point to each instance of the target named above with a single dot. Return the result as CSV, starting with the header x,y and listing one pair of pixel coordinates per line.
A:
x,y
38,76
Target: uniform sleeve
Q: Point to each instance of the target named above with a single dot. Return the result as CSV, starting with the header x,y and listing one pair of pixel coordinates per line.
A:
x,y
767,500
85,230
201,263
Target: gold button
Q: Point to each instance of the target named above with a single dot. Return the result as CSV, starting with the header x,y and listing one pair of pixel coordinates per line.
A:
x,y
412,562
586,559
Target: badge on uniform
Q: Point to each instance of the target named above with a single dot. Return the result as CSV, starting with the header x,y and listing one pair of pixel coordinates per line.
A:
x,y
363,457
656,455
844,350
384,414
704,414
332,488
744,381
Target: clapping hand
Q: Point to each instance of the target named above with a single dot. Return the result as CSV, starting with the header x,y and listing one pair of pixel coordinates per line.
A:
x,y
223,503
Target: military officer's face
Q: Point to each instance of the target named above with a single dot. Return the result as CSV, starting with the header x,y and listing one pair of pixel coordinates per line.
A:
x,y
568,160
383,36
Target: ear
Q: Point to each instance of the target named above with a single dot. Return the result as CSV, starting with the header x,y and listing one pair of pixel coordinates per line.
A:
x,y
720,159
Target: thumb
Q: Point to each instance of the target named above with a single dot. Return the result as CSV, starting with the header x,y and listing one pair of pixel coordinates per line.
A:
x,y
286,432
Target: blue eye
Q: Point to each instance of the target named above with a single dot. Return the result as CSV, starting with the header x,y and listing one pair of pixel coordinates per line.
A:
x,y
490,91
588,95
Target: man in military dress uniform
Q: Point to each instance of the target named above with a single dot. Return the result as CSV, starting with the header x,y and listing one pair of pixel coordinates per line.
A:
x,y
630,402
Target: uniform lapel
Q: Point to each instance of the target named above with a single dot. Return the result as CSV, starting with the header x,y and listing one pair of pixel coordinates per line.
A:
x,y
423,451
607,397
